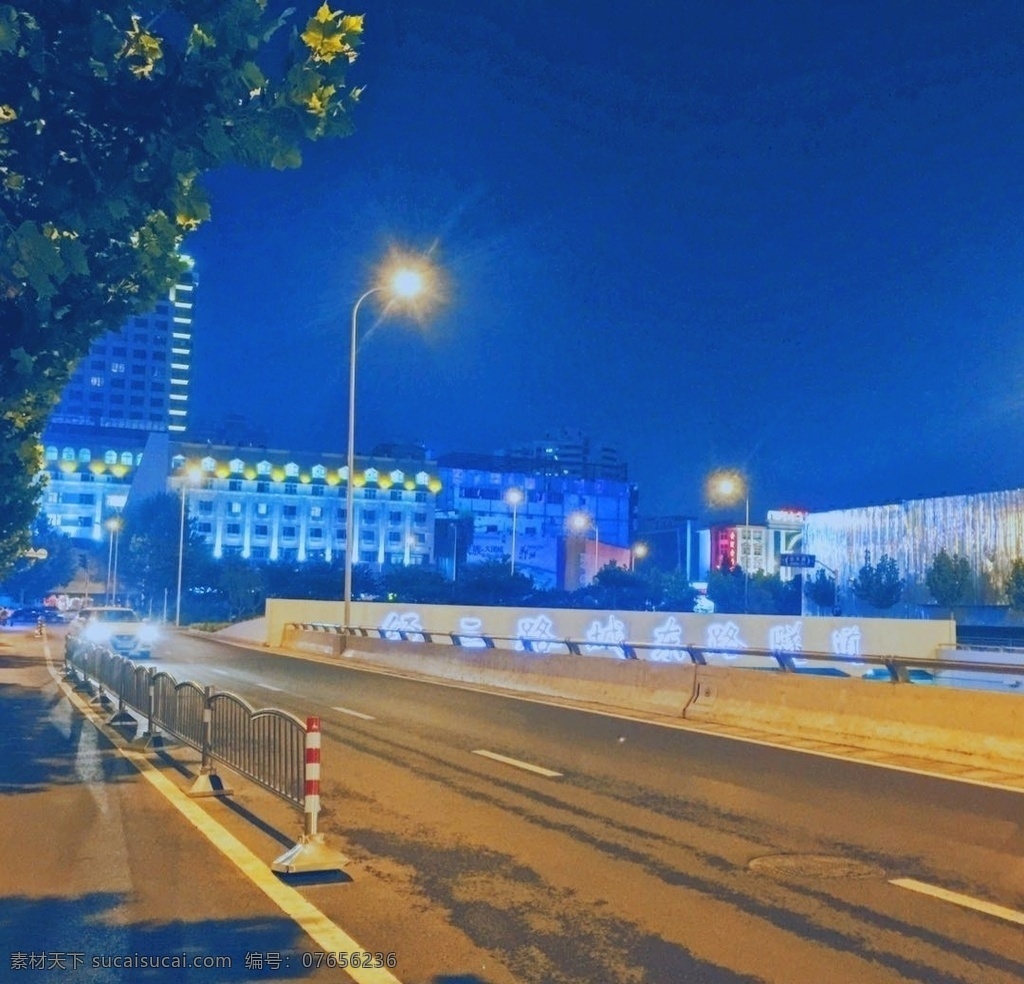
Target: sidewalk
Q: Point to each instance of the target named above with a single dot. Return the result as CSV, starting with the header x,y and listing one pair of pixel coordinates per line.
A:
x,y
98,866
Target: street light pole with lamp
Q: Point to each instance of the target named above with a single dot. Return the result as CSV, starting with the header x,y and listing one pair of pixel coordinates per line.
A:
x,y
113,526
726,488
638,552
514,497
191,477
580,522
402,282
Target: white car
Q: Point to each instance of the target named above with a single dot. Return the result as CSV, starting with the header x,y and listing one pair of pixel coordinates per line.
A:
x,y
119,629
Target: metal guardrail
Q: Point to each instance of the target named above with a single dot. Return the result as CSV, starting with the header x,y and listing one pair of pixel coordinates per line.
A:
x,y
271,747
266,746
899,669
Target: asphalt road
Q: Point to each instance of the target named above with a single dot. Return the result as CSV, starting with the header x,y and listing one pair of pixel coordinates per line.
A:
x,y
638,852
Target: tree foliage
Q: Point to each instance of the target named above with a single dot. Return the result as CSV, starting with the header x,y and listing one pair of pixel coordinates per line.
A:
x,y
29,580
821,590
879,585
110,113
1015,585
948,578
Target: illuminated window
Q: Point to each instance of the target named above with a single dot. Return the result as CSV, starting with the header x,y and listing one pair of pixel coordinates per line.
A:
x,y
85,455
51,453
263,468
372,474
68,454
110,457
208,464
126,458
261,509
319,471
236,465
291,469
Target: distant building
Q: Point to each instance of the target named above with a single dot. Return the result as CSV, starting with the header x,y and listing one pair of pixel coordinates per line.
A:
x,y
475,487
136,378
571,454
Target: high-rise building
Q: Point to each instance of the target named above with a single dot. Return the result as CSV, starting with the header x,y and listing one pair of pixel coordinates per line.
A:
x,y
136,378
571,454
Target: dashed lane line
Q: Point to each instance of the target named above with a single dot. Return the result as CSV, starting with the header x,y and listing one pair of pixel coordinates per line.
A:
x,y
528,766
967,901
355,714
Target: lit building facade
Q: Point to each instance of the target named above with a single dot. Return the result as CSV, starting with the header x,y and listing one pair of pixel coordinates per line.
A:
x,y
571,454
986,528
136,378
287,506
475,491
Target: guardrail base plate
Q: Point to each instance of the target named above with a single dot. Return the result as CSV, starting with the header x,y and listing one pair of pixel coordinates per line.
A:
x,y
310,854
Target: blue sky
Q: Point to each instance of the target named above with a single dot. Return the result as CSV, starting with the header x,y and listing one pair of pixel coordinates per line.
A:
x,y
783,237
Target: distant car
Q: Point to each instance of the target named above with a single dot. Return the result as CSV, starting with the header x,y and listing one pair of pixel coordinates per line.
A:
x,y
31,616
119,629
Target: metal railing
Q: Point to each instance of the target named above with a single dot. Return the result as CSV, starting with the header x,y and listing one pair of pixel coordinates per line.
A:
x,y
897,669
266,746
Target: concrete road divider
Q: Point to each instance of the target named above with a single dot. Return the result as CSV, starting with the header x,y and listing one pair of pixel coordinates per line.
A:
x,y
974,728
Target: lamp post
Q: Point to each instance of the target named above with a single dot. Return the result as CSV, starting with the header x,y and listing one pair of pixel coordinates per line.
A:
x,y
402,282
191,477
638,552
514,497
580,522
114,526
725,488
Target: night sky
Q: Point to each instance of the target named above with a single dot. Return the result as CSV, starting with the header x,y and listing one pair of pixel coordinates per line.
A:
x,y
784,237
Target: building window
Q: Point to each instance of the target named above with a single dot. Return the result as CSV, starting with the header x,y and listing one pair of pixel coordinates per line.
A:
x,y
316,533
206,507
318,490
319,471
394,537
369,493
263,487
419,518
370,516
84,455
110,457
367,536
205,528
261,529
288,532
394,518
117,367
234,529
261,509
235,508
263,468
290,511
235,485
290,488
291,469
396,495
68,454
315,512
51,453
421,497
95,380
126,458
368,557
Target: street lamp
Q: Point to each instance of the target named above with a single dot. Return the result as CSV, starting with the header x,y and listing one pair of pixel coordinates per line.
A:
x,y
403,281
726,488
113,526
580,523
638,552
514,497
191,477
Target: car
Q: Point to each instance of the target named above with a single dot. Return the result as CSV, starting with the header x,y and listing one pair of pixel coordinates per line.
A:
x,y
121,630
32,615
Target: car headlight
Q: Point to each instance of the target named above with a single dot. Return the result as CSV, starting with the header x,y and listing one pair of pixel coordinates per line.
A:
x,y
149,634
95,632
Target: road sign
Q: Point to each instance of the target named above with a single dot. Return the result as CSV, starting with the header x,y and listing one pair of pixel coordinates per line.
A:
x,y
797,560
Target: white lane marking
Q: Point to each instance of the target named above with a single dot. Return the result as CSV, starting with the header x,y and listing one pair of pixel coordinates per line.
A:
x,y
327,935
989,908
355,714
540,770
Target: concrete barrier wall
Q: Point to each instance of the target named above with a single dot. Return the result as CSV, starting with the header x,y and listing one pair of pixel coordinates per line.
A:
x,y
963,726
908,638
656,688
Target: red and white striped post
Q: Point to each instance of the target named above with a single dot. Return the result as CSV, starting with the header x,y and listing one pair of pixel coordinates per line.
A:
x,y
310,853
311,802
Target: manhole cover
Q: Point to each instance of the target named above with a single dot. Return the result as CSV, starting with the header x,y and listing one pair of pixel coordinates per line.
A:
x,y
814,866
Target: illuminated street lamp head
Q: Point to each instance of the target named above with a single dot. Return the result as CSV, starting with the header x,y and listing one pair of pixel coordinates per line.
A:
x,y
724,488
640,551
579,522
514,496
113,524
406,283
